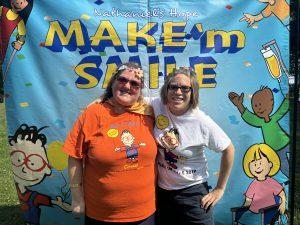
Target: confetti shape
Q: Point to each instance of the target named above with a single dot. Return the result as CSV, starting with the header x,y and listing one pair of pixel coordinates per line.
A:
x,y
60,123
63,83
229,7
249,96
47,18
85,17
99,2
24,104
20,56
247,64
233,120
42,44
275,90
28,84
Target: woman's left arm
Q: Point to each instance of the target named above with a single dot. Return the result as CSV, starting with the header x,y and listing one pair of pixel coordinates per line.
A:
x,y
213,197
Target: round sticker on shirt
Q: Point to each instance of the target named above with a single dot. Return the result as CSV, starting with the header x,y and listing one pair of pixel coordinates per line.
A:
x,y
112,133
162,122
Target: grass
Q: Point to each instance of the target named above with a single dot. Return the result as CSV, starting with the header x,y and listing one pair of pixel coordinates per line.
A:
x,y
9,204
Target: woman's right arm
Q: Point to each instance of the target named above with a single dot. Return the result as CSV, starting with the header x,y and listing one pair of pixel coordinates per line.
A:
x,y
75,169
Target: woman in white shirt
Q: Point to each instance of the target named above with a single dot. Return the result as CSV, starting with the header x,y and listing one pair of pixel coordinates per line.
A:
x,y
182,131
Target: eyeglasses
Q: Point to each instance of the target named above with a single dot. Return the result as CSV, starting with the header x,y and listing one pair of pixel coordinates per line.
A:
x,y
184,89
33,162
135,85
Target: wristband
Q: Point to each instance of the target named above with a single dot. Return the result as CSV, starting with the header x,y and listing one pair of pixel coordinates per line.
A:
x,y
75,185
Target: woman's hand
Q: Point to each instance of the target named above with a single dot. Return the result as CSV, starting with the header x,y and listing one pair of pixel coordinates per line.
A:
x,y
75,167
209,200
78,204
78,208
213,197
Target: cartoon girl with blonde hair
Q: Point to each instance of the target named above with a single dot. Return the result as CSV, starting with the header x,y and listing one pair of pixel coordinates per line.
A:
x,y
261,163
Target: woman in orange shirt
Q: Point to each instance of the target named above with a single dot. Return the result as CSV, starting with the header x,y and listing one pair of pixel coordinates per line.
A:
x,y
112,155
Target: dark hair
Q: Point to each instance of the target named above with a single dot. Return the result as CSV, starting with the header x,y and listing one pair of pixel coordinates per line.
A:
x,y
26,11
29,133
194,85
108,91
125,132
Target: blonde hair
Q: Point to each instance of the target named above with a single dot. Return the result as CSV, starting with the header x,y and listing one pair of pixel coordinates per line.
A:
x,y
256,152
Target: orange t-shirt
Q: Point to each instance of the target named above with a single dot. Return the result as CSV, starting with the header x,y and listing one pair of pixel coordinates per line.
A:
x,y
119,152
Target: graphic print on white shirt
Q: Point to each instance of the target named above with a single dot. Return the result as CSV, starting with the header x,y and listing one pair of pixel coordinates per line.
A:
x,y
170,141
182,161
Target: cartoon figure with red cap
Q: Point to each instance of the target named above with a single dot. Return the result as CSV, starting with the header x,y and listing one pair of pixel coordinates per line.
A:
x,y
13,14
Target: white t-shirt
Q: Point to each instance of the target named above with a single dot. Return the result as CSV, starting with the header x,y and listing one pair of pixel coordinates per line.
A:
x,y
181,160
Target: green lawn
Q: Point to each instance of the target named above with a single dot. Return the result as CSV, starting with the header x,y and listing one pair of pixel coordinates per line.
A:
x,y
9,203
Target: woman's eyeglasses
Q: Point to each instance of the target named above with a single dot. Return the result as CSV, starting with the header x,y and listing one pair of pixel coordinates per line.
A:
x,y
184,89
135,85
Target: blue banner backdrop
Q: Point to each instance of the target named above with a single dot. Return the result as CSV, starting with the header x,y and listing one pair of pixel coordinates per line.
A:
x,y
58,56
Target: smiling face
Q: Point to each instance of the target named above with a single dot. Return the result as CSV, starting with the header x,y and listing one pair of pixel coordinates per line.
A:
x,y
178,98
30,164
126,89
262,103
127,138
18,5
162,122
170,139
260,168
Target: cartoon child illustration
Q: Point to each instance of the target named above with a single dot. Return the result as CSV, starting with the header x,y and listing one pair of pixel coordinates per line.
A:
x,y
13,14
170,142
279,8
131,149
262,104
30,167
261,163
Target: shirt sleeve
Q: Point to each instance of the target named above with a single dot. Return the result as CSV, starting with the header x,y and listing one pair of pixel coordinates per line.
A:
x,y
282,110
42,200
266,12
21,28
252,119
217,138
251,190
277,187
77,141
